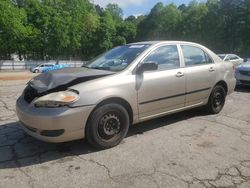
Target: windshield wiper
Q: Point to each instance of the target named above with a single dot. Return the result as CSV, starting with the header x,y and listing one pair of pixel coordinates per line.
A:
x,y
101,68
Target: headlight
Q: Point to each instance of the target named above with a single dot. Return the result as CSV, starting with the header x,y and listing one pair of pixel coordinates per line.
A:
x,y
57,99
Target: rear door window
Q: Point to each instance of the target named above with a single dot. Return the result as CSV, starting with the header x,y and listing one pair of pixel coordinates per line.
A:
x,y
194,56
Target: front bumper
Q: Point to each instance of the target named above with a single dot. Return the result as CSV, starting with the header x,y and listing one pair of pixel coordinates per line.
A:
x,y
53,124
243,79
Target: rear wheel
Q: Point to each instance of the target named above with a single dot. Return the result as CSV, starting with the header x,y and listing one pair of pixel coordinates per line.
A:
x,y
107,126
216,100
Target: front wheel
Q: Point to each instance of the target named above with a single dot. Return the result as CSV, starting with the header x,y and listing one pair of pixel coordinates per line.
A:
x,y
36,71
107,126
216,100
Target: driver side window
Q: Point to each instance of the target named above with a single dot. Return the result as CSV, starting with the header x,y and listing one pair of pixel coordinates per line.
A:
x,y
167,57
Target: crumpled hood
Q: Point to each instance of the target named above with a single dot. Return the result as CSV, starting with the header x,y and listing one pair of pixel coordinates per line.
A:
x,y
65,78
244,66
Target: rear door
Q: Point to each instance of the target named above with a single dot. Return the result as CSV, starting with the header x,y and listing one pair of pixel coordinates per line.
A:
x,y
163,89
200,72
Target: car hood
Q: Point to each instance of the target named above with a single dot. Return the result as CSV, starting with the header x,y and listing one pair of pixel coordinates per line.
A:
x,y
62,79
244,66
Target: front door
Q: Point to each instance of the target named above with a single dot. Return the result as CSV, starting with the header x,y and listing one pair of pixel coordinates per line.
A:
x,y
161,90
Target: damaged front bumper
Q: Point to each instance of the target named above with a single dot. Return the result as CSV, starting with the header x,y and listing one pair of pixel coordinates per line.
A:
x,y
53,124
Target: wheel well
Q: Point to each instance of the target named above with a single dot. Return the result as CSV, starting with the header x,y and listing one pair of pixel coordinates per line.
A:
x,y
120,101
223,84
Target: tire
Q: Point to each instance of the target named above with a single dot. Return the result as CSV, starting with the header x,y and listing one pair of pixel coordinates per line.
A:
x,y
216,100
107,126
36,71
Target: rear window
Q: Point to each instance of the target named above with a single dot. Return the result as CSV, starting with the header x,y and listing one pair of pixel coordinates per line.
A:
x,y
233,57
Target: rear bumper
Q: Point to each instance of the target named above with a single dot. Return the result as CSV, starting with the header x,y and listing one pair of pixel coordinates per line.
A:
x,y
53,124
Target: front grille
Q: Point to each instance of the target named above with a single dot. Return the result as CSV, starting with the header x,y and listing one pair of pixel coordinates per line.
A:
x,y
246,73
30,94
245,82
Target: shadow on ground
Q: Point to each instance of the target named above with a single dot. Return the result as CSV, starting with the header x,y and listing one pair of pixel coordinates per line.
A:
x,y
243,89
17,149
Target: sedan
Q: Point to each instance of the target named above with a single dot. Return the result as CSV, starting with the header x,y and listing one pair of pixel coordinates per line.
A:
x,y
124,86
242,74
236,60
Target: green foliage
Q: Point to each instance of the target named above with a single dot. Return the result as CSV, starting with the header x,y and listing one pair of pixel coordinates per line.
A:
x,y
193,18
222,25
115,11
14,29
64,29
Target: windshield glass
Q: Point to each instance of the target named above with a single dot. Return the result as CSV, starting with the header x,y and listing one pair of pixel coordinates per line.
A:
x,y
222,56
118,58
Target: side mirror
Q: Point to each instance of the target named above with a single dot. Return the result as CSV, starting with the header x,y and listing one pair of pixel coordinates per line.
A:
x,y
150,66
245,60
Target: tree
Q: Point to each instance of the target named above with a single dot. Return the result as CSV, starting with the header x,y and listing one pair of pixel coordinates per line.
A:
x,y
192,21
161,23
231,13
127,30
14,30
105,33
149,28
80,29
169,21
115,11
245,29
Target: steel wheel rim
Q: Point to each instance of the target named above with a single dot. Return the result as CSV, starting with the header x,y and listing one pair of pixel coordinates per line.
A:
x,y
109,126
218,99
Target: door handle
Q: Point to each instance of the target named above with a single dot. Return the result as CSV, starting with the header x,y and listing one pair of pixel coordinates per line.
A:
x,y
211,69
180,74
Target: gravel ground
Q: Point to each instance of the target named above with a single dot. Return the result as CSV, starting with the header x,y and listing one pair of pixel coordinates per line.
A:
x,y
16,75
188,149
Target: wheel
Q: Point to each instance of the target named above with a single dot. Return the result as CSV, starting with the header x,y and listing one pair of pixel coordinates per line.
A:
x,y
216,100
36,71
107,126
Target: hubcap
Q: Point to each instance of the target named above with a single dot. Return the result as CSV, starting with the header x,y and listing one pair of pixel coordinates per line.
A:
x,y
109,126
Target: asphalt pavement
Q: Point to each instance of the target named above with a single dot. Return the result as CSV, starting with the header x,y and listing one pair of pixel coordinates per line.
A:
x,y
188,149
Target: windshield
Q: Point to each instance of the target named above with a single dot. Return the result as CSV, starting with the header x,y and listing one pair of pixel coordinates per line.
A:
x,y
222,56
118,58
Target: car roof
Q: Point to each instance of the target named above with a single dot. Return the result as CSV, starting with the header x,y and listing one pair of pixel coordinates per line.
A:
x,y
161,41
227,54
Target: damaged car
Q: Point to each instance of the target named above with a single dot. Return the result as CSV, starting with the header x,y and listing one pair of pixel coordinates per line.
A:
x,y
124,86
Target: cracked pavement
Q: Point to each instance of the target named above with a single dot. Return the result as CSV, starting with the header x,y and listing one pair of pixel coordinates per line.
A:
x,y
188,149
